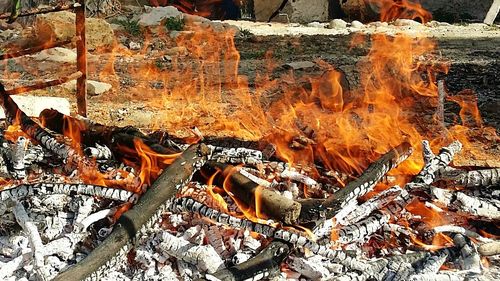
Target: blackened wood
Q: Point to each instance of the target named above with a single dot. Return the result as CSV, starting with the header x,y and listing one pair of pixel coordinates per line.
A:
x,y
144,214
272,204
264,265
39,134
360,186
121,140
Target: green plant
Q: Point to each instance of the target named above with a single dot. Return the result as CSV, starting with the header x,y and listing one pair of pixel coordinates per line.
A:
x,y
174,23
131,26
245,33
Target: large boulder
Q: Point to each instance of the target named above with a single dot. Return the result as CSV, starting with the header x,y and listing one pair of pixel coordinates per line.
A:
x,y
61,26
155,16
296,11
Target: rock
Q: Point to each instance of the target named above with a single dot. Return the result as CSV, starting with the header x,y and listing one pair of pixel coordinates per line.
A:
x,y
434,23
94,88
188,19
33,105
155,16
56,54
60,26
406,22
134,45
378,24
185,34
297,10
315,24
299,65
337,24
357,24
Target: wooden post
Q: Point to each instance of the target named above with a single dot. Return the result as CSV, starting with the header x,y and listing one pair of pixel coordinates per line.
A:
x,y
492,13
81,63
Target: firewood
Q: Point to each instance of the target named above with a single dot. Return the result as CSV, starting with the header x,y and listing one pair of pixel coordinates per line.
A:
x,y
469,258
363,229
18,155
37,189
312,268
461,230
239,155
39,134
363,184
489,249
434,163
432,264
272,203
186,204
475,178
266,264
142,216
115,138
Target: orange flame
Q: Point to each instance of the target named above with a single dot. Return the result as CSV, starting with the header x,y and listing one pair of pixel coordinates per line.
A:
x,y
401,9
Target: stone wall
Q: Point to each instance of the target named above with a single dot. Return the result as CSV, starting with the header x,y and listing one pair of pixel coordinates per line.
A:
x,y
297,10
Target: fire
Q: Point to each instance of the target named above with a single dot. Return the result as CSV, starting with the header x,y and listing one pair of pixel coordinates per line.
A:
x,y
401,9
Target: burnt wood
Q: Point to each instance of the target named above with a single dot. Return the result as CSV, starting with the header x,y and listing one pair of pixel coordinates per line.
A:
x,y
272,204
264,265
121,140
144,214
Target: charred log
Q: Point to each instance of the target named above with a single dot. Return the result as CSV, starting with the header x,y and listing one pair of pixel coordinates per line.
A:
x,y
142,216
266,264
272,203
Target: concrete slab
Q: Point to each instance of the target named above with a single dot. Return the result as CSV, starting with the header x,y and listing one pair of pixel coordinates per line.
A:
x,y
33,105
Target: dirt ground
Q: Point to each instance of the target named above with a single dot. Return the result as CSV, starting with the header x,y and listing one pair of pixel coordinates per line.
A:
x,y
142,79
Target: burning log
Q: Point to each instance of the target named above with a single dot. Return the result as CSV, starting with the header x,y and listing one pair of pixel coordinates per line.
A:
x,y
362,185
461,230
99,152
186,204
375,203
239,155
311,268
469,257
26,190
476,178
479,207
115,138
266,264
36,132
272,203
142,216
363,229
434,163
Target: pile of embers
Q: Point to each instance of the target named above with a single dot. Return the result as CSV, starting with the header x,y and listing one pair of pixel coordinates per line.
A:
x,y
115,203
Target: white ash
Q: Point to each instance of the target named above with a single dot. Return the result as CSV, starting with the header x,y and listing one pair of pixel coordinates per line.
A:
x,y
239,155
99,152
18,153
311,268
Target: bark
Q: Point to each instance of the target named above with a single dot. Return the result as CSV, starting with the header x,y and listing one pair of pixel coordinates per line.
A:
x,y
272,203
360,186
434,163
266,264
142,216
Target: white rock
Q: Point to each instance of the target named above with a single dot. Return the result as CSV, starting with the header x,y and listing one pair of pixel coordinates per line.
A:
x,y
357,24
316,24
337,24
406,22
32,105
155,15
134,45
56,54
94,88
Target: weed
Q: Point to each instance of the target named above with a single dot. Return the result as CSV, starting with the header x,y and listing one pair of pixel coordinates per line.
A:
x,y
131,26
174,23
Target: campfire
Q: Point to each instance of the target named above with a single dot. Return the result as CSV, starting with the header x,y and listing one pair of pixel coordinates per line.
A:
x,y
295,176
